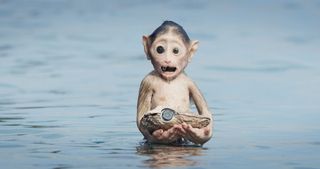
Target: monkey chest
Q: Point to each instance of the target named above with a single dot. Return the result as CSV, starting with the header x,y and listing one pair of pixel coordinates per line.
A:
x,y
171,95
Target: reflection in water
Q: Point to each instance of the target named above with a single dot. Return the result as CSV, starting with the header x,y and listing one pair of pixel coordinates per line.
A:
x,y
163,156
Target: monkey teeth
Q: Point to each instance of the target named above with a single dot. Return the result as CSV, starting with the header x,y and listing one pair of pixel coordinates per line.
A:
x,y
168,69
163,68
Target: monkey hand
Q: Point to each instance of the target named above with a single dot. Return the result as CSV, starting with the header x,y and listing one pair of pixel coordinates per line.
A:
x,y
167,136
195,135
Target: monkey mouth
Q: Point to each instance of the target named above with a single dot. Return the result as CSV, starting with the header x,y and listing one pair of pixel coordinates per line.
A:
x,y
168,69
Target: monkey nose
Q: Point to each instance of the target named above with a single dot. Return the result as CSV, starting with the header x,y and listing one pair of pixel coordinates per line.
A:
x,y
167,61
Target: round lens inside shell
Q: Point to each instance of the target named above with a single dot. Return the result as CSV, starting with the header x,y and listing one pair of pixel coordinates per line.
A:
x,y
160,49
167,114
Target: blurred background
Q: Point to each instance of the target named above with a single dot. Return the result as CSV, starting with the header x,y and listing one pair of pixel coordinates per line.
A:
x,y
70,72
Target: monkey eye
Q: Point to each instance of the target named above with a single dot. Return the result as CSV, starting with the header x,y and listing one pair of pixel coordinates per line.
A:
x,y
175,50
160,49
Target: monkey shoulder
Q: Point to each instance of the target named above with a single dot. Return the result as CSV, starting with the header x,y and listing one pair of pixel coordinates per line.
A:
x,y
187,80
149,80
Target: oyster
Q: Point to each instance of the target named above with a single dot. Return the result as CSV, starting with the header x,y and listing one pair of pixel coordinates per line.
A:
x,y
165,118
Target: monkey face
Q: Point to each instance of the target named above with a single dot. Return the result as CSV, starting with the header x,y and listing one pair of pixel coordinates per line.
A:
x,y
169,55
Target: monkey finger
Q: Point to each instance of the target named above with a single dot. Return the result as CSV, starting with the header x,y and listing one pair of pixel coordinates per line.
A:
x,y
186,126
181,130
157,132
172,137
206,131
176,136
195,132
176,127
159,135
168,133
171,130
189,136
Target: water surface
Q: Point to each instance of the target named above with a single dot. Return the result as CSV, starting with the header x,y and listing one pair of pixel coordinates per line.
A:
x,y
70,73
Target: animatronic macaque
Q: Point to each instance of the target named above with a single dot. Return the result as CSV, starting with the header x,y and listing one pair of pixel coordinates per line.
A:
x,y
170,49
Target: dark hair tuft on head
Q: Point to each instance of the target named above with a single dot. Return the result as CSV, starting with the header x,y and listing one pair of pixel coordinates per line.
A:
x,y
164,28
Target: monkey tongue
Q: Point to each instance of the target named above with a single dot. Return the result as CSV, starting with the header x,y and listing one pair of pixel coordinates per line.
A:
x,y
168,69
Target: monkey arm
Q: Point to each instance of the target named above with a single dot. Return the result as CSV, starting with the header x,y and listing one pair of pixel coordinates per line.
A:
x,y
144,104
199,136
199,100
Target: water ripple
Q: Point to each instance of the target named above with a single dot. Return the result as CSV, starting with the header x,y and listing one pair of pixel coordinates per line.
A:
x,y
4,119
258,68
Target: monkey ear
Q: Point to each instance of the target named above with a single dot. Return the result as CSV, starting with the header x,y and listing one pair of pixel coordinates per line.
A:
x,y
145,41
192,49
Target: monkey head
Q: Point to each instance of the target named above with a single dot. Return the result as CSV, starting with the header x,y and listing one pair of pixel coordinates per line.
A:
x,y
169,49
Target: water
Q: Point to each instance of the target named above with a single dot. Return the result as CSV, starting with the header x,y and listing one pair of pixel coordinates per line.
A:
x,y
70,72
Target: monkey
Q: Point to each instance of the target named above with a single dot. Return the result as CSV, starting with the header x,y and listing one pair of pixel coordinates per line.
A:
x,y
170,49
